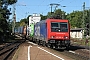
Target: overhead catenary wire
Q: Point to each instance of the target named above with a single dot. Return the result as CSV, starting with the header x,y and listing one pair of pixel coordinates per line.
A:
x,y
61,1
31,8
17,10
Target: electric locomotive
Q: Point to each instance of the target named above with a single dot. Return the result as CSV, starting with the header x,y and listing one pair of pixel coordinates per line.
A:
x,y
53,33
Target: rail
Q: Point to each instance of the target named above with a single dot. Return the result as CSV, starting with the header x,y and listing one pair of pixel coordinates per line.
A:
x,y
7,50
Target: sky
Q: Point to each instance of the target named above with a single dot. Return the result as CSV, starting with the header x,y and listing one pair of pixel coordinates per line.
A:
x,y
23,8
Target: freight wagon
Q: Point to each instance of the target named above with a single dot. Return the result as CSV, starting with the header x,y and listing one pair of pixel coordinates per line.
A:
x,y
21,31
32,21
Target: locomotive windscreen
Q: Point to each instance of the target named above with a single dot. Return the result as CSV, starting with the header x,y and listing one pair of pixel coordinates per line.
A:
x,y
59,27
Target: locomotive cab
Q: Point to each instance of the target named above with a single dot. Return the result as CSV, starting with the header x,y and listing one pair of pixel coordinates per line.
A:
x,y
59,33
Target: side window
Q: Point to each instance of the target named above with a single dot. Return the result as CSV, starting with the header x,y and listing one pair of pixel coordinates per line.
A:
x,y
54,25
64,27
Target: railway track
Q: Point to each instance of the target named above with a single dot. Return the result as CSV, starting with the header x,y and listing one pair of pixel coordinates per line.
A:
x,y
77,56
76,53
7,50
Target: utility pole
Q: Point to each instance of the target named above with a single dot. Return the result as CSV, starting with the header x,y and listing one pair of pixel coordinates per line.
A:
x,y
89,21
13,18
83,20
51,8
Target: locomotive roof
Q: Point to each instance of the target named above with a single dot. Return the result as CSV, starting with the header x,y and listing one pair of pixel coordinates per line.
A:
x,y
43,21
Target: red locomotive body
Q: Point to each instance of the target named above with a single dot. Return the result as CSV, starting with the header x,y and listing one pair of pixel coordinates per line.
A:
x,y
58,33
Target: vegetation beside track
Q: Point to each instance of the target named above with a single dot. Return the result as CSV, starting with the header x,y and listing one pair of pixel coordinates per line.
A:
x,y
84,42
9,39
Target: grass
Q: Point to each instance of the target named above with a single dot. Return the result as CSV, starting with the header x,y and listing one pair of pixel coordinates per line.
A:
x,y
84,41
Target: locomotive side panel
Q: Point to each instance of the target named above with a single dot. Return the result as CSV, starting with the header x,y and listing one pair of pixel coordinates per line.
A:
x,y
40,32
43,31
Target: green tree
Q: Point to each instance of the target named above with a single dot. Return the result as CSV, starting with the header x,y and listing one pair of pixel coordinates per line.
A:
x,y
22,24
60,13
43,17
87,15
4,17
57,14
75,19
49,14
17,24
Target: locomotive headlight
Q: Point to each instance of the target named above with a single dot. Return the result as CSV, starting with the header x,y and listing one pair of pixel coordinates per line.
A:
x,y
66,37
52,36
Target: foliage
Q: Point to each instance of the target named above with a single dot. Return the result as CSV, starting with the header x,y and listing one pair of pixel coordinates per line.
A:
x,y
57,14
4,17
60,13
23,22
87,16
11,1
17,24
76,18
43,17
